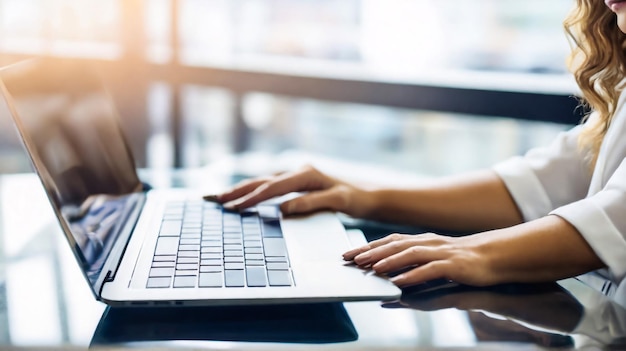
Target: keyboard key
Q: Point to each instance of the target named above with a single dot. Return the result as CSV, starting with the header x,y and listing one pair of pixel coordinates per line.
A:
x,y
194,241
170,228
212,231
214,243
190,235
248,229
255,263
159,264
164,258
253,250
175,210
172,217
161,272
234,278
186,266
233,265
255,276
232,228
210,280
233,253
215,262
279,278
189,248
186,272
252,243
277,265
251,228
189,254
274,247
192,221
231,216
271,229
212,256
166,245
191,229
211,250
211,269
193,260
254,256
185,281
158,282
268,212
276,259
233,259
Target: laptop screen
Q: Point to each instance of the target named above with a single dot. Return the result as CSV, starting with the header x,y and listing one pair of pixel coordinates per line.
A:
x,y
70,129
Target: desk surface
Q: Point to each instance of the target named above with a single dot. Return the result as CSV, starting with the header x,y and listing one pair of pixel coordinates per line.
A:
x,y
45,303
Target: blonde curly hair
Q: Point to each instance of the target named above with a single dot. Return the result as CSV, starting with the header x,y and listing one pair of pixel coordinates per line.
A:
x,y
597,61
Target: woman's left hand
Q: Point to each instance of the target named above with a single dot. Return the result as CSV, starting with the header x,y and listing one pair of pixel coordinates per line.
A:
x,y
542,250
426,257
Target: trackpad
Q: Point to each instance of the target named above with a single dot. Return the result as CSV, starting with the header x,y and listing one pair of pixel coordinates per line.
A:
x,y
318,237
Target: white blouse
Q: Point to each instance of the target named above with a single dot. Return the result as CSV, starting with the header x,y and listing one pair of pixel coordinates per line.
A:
x,y
555,180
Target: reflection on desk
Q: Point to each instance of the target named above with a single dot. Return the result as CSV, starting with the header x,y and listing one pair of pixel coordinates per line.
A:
x,y
543,314
299,323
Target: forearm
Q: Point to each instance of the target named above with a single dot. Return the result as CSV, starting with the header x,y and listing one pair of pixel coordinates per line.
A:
x,y
473,202
546,249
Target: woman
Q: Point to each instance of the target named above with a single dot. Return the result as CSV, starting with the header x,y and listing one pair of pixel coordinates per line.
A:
x,y
557,212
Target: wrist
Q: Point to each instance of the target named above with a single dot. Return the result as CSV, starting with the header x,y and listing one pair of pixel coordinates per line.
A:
x,y
368,202
486,253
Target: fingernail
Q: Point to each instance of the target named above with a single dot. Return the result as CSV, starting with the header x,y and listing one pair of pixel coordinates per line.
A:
x,y
211,198
397,279
380,265
363,258
349,255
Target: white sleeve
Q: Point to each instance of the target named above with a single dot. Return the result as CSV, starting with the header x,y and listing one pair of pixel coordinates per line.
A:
x,y
547,178
601,220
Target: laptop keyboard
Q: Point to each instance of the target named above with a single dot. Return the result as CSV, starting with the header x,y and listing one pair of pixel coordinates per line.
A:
x,y
202,245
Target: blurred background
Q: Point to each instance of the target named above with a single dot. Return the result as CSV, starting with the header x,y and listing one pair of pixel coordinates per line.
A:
x,y
417,87
424,86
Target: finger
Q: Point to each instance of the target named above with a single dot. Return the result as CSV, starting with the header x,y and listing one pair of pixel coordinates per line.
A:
x,y
351,254
424,273
242,189
365,259
412,256
332,199
280,185
390,238
376,254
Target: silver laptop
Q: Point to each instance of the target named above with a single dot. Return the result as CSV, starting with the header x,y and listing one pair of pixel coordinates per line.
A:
x,y
165,247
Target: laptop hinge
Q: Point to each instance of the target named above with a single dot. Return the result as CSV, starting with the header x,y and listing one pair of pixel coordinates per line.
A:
x,y
109,276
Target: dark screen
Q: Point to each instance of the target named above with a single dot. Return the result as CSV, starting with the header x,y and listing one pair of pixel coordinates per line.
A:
x,y
69,125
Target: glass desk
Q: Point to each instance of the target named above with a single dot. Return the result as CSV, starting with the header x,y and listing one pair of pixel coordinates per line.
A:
x,y
46,304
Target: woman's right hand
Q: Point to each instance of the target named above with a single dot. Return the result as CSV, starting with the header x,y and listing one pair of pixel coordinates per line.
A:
x,y
322,192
